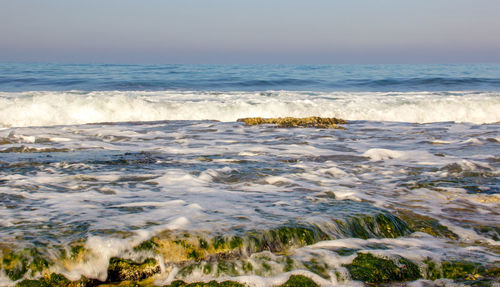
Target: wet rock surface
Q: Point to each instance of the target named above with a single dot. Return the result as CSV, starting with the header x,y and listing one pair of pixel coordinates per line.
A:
x,y
290,122
128,270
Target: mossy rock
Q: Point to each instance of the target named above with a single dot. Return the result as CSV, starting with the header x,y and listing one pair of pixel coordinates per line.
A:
x,y
371,269
461,269
144,283
52,280
383,225
17,264
85,282
284,237
179,283
299,280
128,270
148,245
318,268
226,268
290,122
429,225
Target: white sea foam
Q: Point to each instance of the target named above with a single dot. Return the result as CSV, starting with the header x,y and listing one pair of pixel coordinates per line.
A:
x,y
382,154
61,108
218,177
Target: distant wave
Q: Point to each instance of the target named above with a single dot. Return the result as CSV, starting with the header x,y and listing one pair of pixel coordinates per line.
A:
x,y
244,83
432,82
75,107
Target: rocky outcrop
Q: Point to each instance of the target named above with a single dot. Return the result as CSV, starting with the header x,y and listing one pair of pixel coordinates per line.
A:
x,y
290,122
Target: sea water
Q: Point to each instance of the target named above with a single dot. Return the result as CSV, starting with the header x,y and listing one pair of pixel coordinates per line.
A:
x,y
98,161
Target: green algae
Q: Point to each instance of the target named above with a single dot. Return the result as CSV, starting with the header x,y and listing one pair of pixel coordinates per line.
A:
x,y
126,270
247,267
345,251
285,237
58,280
266,267
290,122
466,272
17,264
299,280
426,224
25,149
461,269
289,264
226,268
203,243
52,280
179,283
207,268
371,269
236,242
432,270
318,268
383,225
147,245
186,270
219,242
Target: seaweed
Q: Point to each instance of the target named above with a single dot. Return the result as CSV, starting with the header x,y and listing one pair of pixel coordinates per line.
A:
x,y
369,268
299,280
52,280
179,283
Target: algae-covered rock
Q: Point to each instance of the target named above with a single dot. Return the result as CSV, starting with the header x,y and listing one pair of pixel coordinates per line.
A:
x,y
383,225
290,122
85,282
179,283
147,245
52,280
461,269
316,267
223,248
299,280
17,264
472,272
284,237
126,270
421,223
369,268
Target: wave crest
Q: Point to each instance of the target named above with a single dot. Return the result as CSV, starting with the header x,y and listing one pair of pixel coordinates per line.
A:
x,y
74,107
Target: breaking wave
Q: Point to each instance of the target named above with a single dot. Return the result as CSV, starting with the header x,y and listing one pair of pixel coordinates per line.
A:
x,y
47,108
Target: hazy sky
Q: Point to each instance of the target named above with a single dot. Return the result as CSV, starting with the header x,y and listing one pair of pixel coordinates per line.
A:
x,y
250,31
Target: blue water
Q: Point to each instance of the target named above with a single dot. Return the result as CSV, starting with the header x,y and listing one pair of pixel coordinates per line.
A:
x,y
107,156
96,77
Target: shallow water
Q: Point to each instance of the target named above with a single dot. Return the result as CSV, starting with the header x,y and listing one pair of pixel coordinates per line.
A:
x,y
414,174
67,183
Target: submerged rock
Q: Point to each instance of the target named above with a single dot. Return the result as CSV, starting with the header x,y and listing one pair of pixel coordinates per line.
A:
x,y
285,237
371,269
127,270
417,222
383,225
299,280
52,280
179,283
17,264
290,122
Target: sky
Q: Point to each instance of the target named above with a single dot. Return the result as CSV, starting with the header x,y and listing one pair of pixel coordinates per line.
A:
x,y
250,31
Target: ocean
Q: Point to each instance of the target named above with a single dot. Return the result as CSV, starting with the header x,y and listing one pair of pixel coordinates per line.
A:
x,y
146,166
